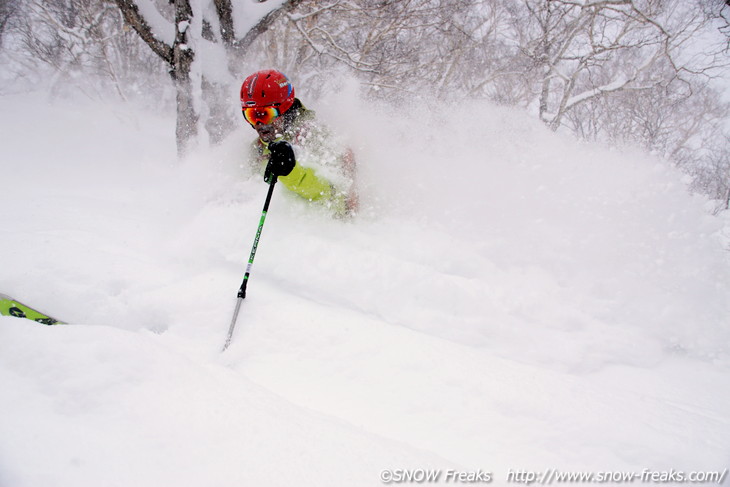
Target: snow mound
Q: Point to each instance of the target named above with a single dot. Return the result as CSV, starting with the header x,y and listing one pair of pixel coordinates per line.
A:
x,y
508,298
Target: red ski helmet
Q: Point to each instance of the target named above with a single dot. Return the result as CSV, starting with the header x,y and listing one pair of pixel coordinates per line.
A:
x,y
265,88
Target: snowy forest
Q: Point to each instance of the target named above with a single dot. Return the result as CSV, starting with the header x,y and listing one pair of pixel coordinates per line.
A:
x,y
535,288
650,73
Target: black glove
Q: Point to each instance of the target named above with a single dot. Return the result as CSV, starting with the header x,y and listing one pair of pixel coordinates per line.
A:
x,y
281,160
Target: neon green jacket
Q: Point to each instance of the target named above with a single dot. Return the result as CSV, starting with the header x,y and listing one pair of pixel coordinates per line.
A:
x,y
324,171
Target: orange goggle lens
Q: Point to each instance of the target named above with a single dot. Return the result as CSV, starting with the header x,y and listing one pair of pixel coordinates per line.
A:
x,y
264,115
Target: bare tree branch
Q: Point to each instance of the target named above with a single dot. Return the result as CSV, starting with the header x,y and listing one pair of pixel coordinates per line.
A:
x,y
131,15
242,45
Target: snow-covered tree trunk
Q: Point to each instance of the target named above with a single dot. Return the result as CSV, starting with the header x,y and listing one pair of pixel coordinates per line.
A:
x,y
186,130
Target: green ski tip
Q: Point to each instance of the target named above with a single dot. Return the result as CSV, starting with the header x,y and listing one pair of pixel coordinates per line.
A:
x,y
13,307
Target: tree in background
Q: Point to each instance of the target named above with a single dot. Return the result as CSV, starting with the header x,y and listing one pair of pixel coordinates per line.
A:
x,y
94,45
177,34
7,12
623,71
77,40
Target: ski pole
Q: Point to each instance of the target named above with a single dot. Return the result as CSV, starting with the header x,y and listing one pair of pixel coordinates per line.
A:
x,y
242,289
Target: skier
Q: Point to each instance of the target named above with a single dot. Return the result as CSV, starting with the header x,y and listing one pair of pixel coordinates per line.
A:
x,y
323,170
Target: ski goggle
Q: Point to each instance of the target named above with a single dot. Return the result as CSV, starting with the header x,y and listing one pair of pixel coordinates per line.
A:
x,y
264,115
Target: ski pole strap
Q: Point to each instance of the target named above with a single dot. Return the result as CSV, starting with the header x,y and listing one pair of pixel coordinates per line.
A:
x,y
242,289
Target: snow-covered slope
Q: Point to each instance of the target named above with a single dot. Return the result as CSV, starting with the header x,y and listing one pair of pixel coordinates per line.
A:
x,y
508,299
